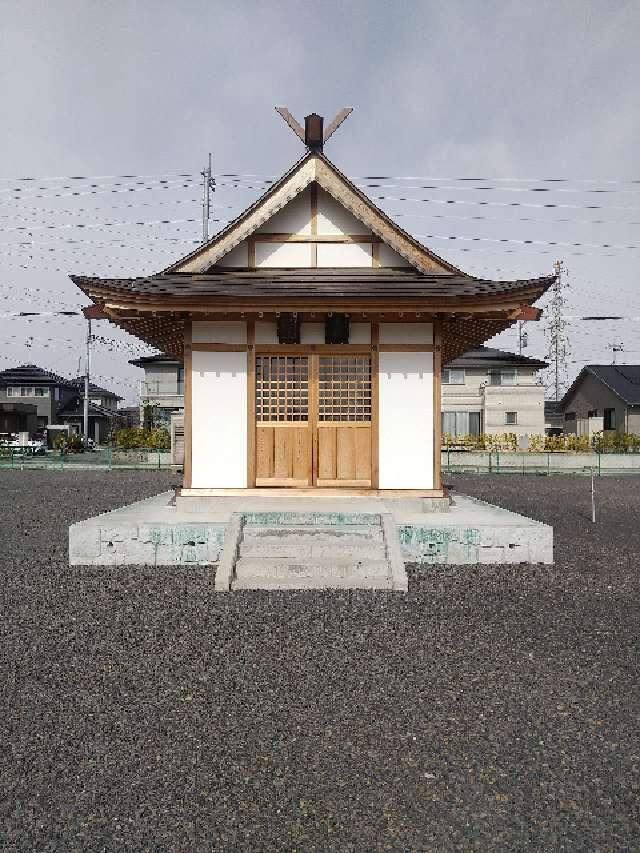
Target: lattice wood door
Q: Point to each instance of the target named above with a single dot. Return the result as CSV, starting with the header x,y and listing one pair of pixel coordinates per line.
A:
x,y
344,421
283,435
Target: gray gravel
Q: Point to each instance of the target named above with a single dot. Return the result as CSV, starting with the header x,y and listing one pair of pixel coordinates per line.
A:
x,y
488,709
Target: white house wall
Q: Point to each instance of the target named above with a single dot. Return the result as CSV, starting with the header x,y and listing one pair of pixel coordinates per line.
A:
x,y
344,255
293,218
333,219
406,333
219,332
405,384
219,420
292,255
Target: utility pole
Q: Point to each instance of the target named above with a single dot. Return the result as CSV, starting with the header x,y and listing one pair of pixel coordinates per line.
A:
x,y
558,345
86,385
523,337
615,347
209,185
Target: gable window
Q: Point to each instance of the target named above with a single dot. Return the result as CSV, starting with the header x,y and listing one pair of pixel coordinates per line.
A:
x,y
453,377
592,413
503,377
609,419
511,418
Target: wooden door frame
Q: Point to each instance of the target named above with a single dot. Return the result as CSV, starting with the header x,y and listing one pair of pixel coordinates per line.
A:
x,y
312,352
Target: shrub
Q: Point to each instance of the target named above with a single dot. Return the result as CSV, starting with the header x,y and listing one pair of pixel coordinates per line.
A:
x,y
136,438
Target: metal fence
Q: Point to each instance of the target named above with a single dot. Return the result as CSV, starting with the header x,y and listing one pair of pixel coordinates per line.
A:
x,y
542,463
103,458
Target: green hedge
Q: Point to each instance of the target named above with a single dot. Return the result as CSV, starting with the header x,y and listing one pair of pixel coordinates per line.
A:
x,y
134,438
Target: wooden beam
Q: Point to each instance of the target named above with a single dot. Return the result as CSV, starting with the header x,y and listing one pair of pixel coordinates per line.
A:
x,y
264,237
437,405
313,195
188,402
406,348
203,347
251,404
375,405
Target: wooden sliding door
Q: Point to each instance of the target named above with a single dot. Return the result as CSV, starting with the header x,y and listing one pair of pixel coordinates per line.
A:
x,y
344,421
313,420
283,435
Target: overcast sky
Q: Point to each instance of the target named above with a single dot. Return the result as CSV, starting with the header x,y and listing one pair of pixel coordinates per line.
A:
x,y
489,90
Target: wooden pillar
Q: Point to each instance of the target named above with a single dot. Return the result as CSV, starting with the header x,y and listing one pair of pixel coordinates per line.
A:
x,y
251,404
437,403
375,397
187,477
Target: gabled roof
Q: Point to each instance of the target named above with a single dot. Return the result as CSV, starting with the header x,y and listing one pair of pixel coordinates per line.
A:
x,y
622,379
95,390
485,357
160,358
313,167
31,374
75,408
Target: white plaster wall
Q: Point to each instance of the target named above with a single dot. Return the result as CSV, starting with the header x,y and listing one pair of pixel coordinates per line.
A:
x,y
406,333
266,332
388,258
238,257
359,333
406,420
293,218
283,255
344,255
334,219
312,333
219,332
219,420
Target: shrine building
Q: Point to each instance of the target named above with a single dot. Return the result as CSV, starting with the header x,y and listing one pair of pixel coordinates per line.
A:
x,y
313,329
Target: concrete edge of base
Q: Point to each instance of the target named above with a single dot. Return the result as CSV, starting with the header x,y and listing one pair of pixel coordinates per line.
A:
x,y
399,577
232,535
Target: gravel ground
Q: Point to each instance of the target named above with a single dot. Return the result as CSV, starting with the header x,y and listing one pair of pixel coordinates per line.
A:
x,y
489,709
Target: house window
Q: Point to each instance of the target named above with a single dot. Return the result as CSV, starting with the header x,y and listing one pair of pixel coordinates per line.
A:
x,y
502,377
27,391
511,418
461,423
592,413
569,416
609,419
453,377
180,385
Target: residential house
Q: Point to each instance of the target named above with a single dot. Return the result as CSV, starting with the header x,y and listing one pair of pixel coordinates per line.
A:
x,y
162,386
30,384
52,399
491,391
603,397
98,396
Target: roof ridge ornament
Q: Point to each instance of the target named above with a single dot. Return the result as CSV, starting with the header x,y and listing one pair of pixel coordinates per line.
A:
x,y
314,135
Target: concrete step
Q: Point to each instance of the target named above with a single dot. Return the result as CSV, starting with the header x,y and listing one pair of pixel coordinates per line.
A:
x,y
351,532
347,582
299,548
319,569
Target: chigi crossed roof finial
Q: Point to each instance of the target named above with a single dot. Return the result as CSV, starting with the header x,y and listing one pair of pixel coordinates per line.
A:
x,y
313,134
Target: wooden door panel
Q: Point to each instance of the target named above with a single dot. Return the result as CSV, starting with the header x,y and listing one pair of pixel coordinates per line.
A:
x,y
326,452
345,453
264,452
283,455
363,460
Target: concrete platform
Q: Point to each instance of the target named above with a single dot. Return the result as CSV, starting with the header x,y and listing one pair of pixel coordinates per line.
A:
x,y
205,531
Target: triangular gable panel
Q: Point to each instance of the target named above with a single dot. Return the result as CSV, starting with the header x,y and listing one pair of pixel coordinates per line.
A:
x,y
340,210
